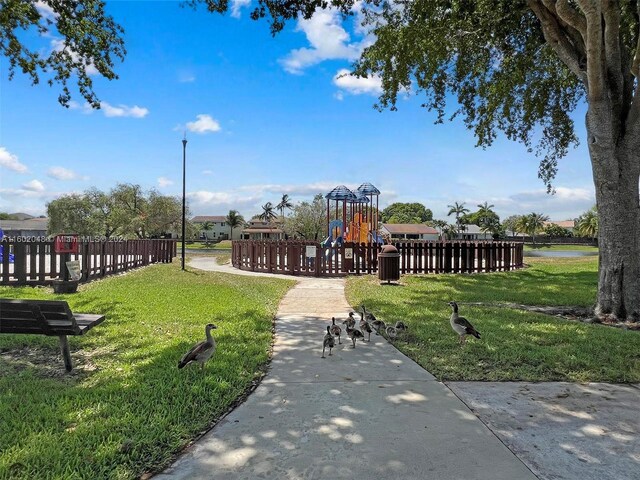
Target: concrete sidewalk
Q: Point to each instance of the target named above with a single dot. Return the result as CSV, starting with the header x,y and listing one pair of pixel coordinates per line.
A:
x,y
363,413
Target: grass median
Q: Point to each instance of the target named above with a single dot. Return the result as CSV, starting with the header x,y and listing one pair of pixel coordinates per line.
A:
x,y
127,409
516,345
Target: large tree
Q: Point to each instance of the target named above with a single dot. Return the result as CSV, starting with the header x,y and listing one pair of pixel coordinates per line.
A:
x,y
308,219
406,213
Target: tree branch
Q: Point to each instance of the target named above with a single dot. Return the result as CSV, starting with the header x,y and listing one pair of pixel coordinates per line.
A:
x,y
613,54
571,16
595,61
558,40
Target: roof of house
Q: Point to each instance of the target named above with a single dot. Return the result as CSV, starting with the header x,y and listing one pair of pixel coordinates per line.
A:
x,y
562,223
209,218
30,224
409,229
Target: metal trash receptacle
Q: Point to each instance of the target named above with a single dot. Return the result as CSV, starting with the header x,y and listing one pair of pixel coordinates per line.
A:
x,y
388,264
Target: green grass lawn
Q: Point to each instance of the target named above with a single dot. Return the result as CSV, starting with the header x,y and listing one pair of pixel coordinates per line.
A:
x,y
559,248
515,345
201,245
127,408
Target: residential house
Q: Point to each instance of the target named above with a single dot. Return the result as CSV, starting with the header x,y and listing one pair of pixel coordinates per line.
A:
x,y
568,224
32,228
218,230
409,231
261,230
472,232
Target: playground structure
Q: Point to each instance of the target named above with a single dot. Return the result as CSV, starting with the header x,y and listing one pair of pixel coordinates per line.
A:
x,y
359,223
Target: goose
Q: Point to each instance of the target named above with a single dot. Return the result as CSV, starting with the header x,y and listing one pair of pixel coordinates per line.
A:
x,y
373,321
201,351
328,341
401,327
335,329
392,332
351,321
365,328
461,325
354,335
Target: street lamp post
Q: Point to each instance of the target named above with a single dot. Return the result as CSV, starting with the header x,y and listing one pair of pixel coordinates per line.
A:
x,y
184,208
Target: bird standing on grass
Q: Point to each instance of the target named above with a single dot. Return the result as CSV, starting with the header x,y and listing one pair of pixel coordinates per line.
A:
x,y
335,329
461,325
201,351
328,341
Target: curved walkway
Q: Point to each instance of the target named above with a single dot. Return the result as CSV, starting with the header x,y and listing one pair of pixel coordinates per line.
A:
x,y
363,413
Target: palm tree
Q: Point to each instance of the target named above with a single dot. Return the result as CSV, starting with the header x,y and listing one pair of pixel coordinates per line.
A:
x,y
234,220
206,226
485,213
534,223
587,223
457,209
285,204
438,224
267,212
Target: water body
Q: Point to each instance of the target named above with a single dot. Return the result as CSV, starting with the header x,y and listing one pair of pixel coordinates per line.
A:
x,y
560,253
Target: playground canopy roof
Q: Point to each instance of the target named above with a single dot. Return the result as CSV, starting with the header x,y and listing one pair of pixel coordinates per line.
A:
x,y
341,193
361,198
368,189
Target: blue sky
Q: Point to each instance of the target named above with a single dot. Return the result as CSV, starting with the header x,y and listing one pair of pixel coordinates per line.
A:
x,y
263,116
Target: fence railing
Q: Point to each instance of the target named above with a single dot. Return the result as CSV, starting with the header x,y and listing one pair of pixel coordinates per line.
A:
x,y
310,258
36,263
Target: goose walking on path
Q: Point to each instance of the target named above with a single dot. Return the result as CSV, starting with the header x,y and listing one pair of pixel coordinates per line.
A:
x,y
336,331
201,351
365,328
461,325
328,341
354,335
373,321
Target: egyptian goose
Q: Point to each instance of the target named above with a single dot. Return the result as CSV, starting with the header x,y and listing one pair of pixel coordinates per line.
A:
x,y
350,321
373,321
328,341
461,325
365,328
354,334
392,332
401,327
336,331
201,351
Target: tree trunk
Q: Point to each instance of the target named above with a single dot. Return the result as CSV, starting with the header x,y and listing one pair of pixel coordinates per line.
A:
x,y
615,160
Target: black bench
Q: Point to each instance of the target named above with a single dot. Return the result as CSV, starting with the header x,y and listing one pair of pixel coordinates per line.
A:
x,y
46,317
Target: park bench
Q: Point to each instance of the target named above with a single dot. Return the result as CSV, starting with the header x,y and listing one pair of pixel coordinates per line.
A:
x,y
46,317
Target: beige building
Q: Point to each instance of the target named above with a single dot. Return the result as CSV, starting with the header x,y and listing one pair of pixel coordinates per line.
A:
x,y
219,228
409,231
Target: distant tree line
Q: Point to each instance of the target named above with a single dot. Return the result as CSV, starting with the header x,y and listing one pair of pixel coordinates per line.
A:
x,y
124,211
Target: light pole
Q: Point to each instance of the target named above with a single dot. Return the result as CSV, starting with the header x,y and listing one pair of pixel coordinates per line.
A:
x,y
184,205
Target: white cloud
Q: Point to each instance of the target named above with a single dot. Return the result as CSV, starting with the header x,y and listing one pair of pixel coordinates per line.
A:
x,y
34,186
10,161
164,182
186,77
58,45
357,85
123,111
328,41
61,173
203,124
237,5
207,172
45,10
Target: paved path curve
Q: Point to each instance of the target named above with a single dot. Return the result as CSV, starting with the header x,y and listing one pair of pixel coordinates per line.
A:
x,y
363,413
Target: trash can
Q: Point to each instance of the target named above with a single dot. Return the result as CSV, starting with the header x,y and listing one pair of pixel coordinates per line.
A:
x,y
388,264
